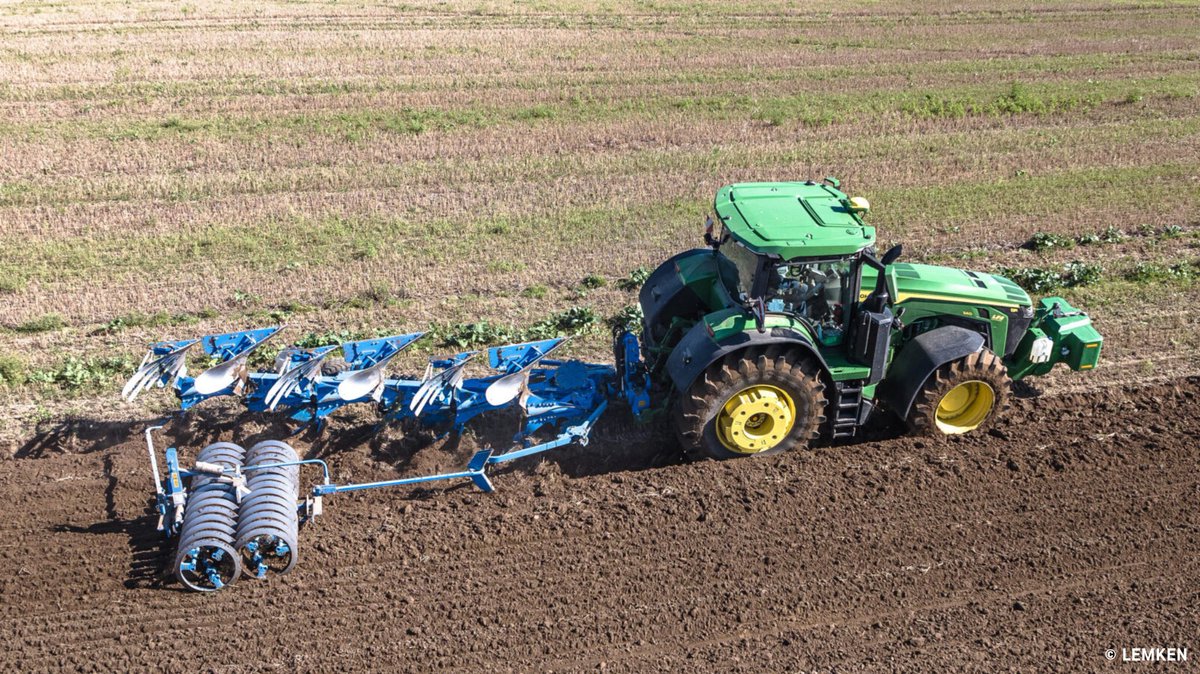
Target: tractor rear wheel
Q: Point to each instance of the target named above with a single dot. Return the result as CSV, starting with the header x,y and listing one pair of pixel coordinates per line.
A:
x,y
961,396
755,402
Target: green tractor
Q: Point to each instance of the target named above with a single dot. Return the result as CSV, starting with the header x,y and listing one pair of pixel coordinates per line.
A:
x,y
787,327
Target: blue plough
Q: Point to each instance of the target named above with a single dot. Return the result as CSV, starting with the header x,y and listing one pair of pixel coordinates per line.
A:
x,y
566,396
237,511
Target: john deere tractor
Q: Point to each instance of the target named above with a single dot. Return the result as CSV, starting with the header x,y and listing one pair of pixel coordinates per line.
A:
x,y
787,327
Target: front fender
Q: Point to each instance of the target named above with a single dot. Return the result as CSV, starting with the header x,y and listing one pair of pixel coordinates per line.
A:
x,y
918,359
710,340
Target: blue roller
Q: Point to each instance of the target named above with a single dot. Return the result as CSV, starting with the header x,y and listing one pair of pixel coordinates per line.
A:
x,y
206,558
268,524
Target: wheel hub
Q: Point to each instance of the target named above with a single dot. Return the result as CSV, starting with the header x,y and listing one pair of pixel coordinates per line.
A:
x,y
756,419
965,407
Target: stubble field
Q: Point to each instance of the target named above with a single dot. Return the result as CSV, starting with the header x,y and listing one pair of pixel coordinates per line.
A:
x,y
172,170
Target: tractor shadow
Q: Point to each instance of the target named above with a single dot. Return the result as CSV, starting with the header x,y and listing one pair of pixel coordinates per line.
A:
x,y
621,444
1023,389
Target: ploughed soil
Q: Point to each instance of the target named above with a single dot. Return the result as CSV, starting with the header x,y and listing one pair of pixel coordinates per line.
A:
x,y
1070,529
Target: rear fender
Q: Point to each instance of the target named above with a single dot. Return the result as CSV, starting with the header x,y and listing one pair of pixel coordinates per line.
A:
x,y
686,286
918,359
712,339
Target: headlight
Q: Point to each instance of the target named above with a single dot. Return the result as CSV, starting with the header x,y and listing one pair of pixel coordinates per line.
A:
x,y
1042,348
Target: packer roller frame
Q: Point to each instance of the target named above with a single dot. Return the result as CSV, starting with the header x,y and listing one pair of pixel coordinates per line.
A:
x,y
205,564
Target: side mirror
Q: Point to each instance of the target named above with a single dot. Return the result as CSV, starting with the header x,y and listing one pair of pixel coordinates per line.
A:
x,y
892,254
879,297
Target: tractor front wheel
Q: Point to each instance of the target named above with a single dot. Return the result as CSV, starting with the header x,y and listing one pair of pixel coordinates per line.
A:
x,y
754,402
961,396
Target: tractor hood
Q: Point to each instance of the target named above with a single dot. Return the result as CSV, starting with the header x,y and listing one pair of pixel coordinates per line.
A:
x,y
931,282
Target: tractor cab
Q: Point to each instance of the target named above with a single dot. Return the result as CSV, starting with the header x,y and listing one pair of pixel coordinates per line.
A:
x,y
800,249
821,291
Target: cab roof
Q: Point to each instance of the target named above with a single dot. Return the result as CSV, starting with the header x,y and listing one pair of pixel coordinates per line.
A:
x,y
792,219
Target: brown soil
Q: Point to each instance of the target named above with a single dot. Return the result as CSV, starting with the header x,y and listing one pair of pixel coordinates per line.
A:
x,y
1070,529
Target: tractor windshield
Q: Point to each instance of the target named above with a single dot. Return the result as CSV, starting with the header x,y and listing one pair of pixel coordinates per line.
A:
x,y
747,265
819,290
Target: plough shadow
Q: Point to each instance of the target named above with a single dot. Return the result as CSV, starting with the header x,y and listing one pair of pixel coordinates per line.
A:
x,y
148,555
200,427
75,435
82,435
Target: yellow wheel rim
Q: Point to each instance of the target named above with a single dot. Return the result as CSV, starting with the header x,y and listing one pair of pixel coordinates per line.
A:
x,y
964,407
756,419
